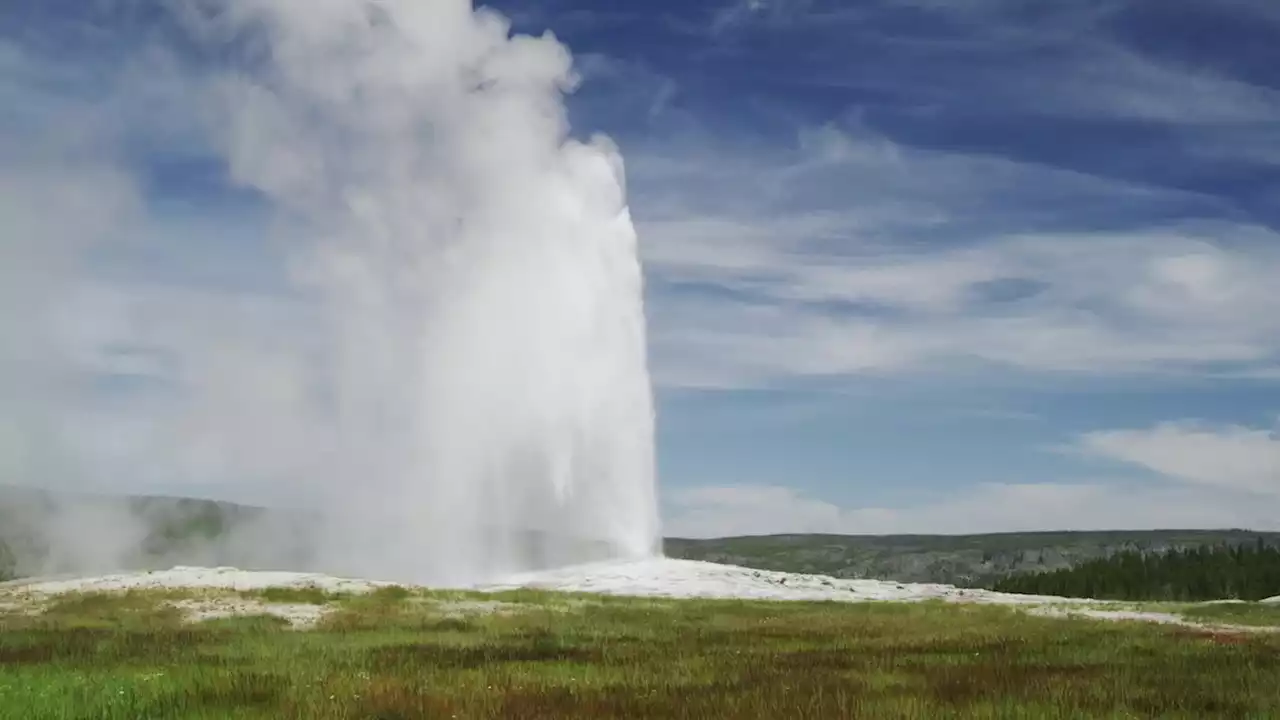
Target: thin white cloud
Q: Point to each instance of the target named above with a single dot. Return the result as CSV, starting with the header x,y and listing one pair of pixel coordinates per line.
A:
x,y
908,276
1066,61
1256,144
1109,81
1207,476
738,13
985,508
1076,67
626,88
1230,457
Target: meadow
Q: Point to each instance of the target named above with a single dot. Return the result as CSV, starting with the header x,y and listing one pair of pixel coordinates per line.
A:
x,y
397,654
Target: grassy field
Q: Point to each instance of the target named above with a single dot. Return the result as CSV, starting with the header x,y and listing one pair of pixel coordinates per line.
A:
x,y
399,654
1257,614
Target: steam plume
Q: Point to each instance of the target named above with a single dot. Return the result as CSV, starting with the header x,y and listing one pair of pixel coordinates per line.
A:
x,y
470,396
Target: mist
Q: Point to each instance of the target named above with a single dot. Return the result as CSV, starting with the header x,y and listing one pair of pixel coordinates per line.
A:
x,y
439,367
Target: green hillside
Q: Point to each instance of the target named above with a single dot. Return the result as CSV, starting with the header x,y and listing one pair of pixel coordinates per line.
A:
x,y
967,560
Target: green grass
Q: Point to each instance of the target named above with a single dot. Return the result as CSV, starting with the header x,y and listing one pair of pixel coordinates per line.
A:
x,y
1255,614
131,611
401,654
307,595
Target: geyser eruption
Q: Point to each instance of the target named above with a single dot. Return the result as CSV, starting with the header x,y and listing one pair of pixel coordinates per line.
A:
x,y
447,380
486,381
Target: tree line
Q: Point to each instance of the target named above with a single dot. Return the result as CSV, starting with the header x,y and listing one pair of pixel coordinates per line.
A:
x,y
1193,574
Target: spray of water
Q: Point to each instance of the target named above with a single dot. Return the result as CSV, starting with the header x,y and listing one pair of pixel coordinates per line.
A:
x,y
480,403
480,277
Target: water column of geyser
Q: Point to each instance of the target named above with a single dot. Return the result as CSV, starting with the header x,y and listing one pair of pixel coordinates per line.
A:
x,y
478,268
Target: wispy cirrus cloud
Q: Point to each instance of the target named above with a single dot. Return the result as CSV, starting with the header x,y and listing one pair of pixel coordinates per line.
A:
x,y
723,511
999,64
937,258
1231,457
861,247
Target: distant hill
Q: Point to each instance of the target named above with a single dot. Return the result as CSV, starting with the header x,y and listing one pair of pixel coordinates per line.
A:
x,y
966,560
171,531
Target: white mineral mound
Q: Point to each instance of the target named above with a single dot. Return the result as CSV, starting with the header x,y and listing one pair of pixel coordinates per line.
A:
x,y
654,577
219,578
667,577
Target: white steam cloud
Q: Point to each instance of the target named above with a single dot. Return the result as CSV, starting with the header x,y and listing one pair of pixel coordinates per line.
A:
x,y
468,395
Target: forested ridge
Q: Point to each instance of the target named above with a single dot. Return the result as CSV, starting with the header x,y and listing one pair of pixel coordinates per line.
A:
x,y
1242,572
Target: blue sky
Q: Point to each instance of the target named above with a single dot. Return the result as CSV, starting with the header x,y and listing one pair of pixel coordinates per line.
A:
x,y
912,266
